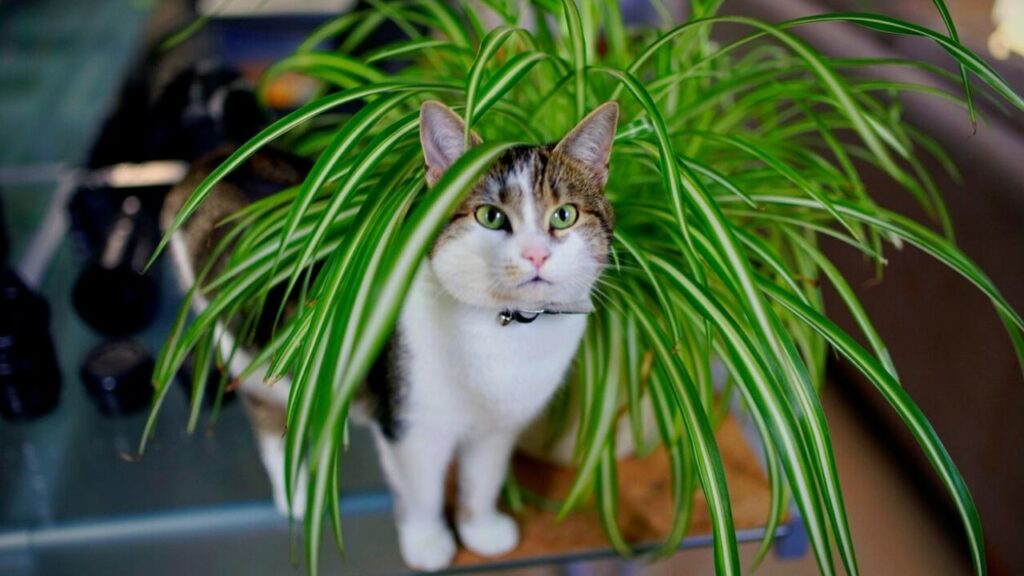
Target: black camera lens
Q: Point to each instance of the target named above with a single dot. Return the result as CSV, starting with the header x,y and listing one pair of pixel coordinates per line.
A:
x,y
112,294
117,376
29,376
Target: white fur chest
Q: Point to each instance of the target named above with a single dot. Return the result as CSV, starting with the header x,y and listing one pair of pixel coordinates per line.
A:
x,y
465,369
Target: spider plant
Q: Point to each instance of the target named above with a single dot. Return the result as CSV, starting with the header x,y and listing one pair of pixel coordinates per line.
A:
x,y
733,161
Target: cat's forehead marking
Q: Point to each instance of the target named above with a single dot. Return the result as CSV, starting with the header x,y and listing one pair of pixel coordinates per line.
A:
x,y
515,184
522,180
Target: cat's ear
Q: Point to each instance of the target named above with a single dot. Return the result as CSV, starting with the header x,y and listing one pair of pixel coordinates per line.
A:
x,y
442,135
590,141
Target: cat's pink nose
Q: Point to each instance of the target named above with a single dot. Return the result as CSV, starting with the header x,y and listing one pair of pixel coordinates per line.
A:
x,y
537,255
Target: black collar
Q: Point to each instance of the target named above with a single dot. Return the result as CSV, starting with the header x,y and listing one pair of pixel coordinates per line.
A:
x,y
507,316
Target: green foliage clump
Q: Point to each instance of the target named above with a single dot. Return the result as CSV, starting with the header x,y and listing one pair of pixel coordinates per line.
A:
x,y
733,161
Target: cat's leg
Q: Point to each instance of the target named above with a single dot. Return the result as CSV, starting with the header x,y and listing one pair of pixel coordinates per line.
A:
x,y
268,426
415,466
483,464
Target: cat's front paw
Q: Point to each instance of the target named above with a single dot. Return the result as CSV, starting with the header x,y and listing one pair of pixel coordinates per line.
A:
x,y
489,534
426,546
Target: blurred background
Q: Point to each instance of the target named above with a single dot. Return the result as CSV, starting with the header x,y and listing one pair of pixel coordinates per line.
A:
x,y
103,103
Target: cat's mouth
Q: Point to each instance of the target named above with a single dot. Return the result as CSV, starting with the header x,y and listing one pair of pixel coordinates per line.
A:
x,y
537,280
529,292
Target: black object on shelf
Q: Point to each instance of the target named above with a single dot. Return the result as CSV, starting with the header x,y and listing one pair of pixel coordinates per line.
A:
x,y
200,108
112,294
117,376
29,376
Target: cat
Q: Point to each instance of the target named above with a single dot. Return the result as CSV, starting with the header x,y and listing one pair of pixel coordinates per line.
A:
x,y
486,334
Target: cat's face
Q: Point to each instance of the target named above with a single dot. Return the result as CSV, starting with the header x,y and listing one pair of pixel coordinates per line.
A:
x,y
537,228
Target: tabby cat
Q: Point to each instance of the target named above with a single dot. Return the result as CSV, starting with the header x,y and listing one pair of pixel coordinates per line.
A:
x,y
486,334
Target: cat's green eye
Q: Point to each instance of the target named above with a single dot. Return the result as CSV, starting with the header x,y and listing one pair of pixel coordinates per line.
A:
x,y
564,216
491,217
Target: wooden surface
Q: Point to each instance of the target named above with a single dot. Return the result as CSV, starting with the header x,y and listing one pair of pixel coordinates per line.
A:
x,y
645,502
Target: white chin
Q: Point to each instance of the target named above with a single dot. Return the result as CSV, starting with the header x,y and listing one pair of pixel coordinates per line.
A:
x,y
519,297
481,290
528,296
534,294
540,294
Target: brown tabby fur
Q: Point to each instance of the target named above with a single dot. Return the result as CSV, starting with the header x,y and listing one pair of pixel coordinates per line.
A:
x,y
557,179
